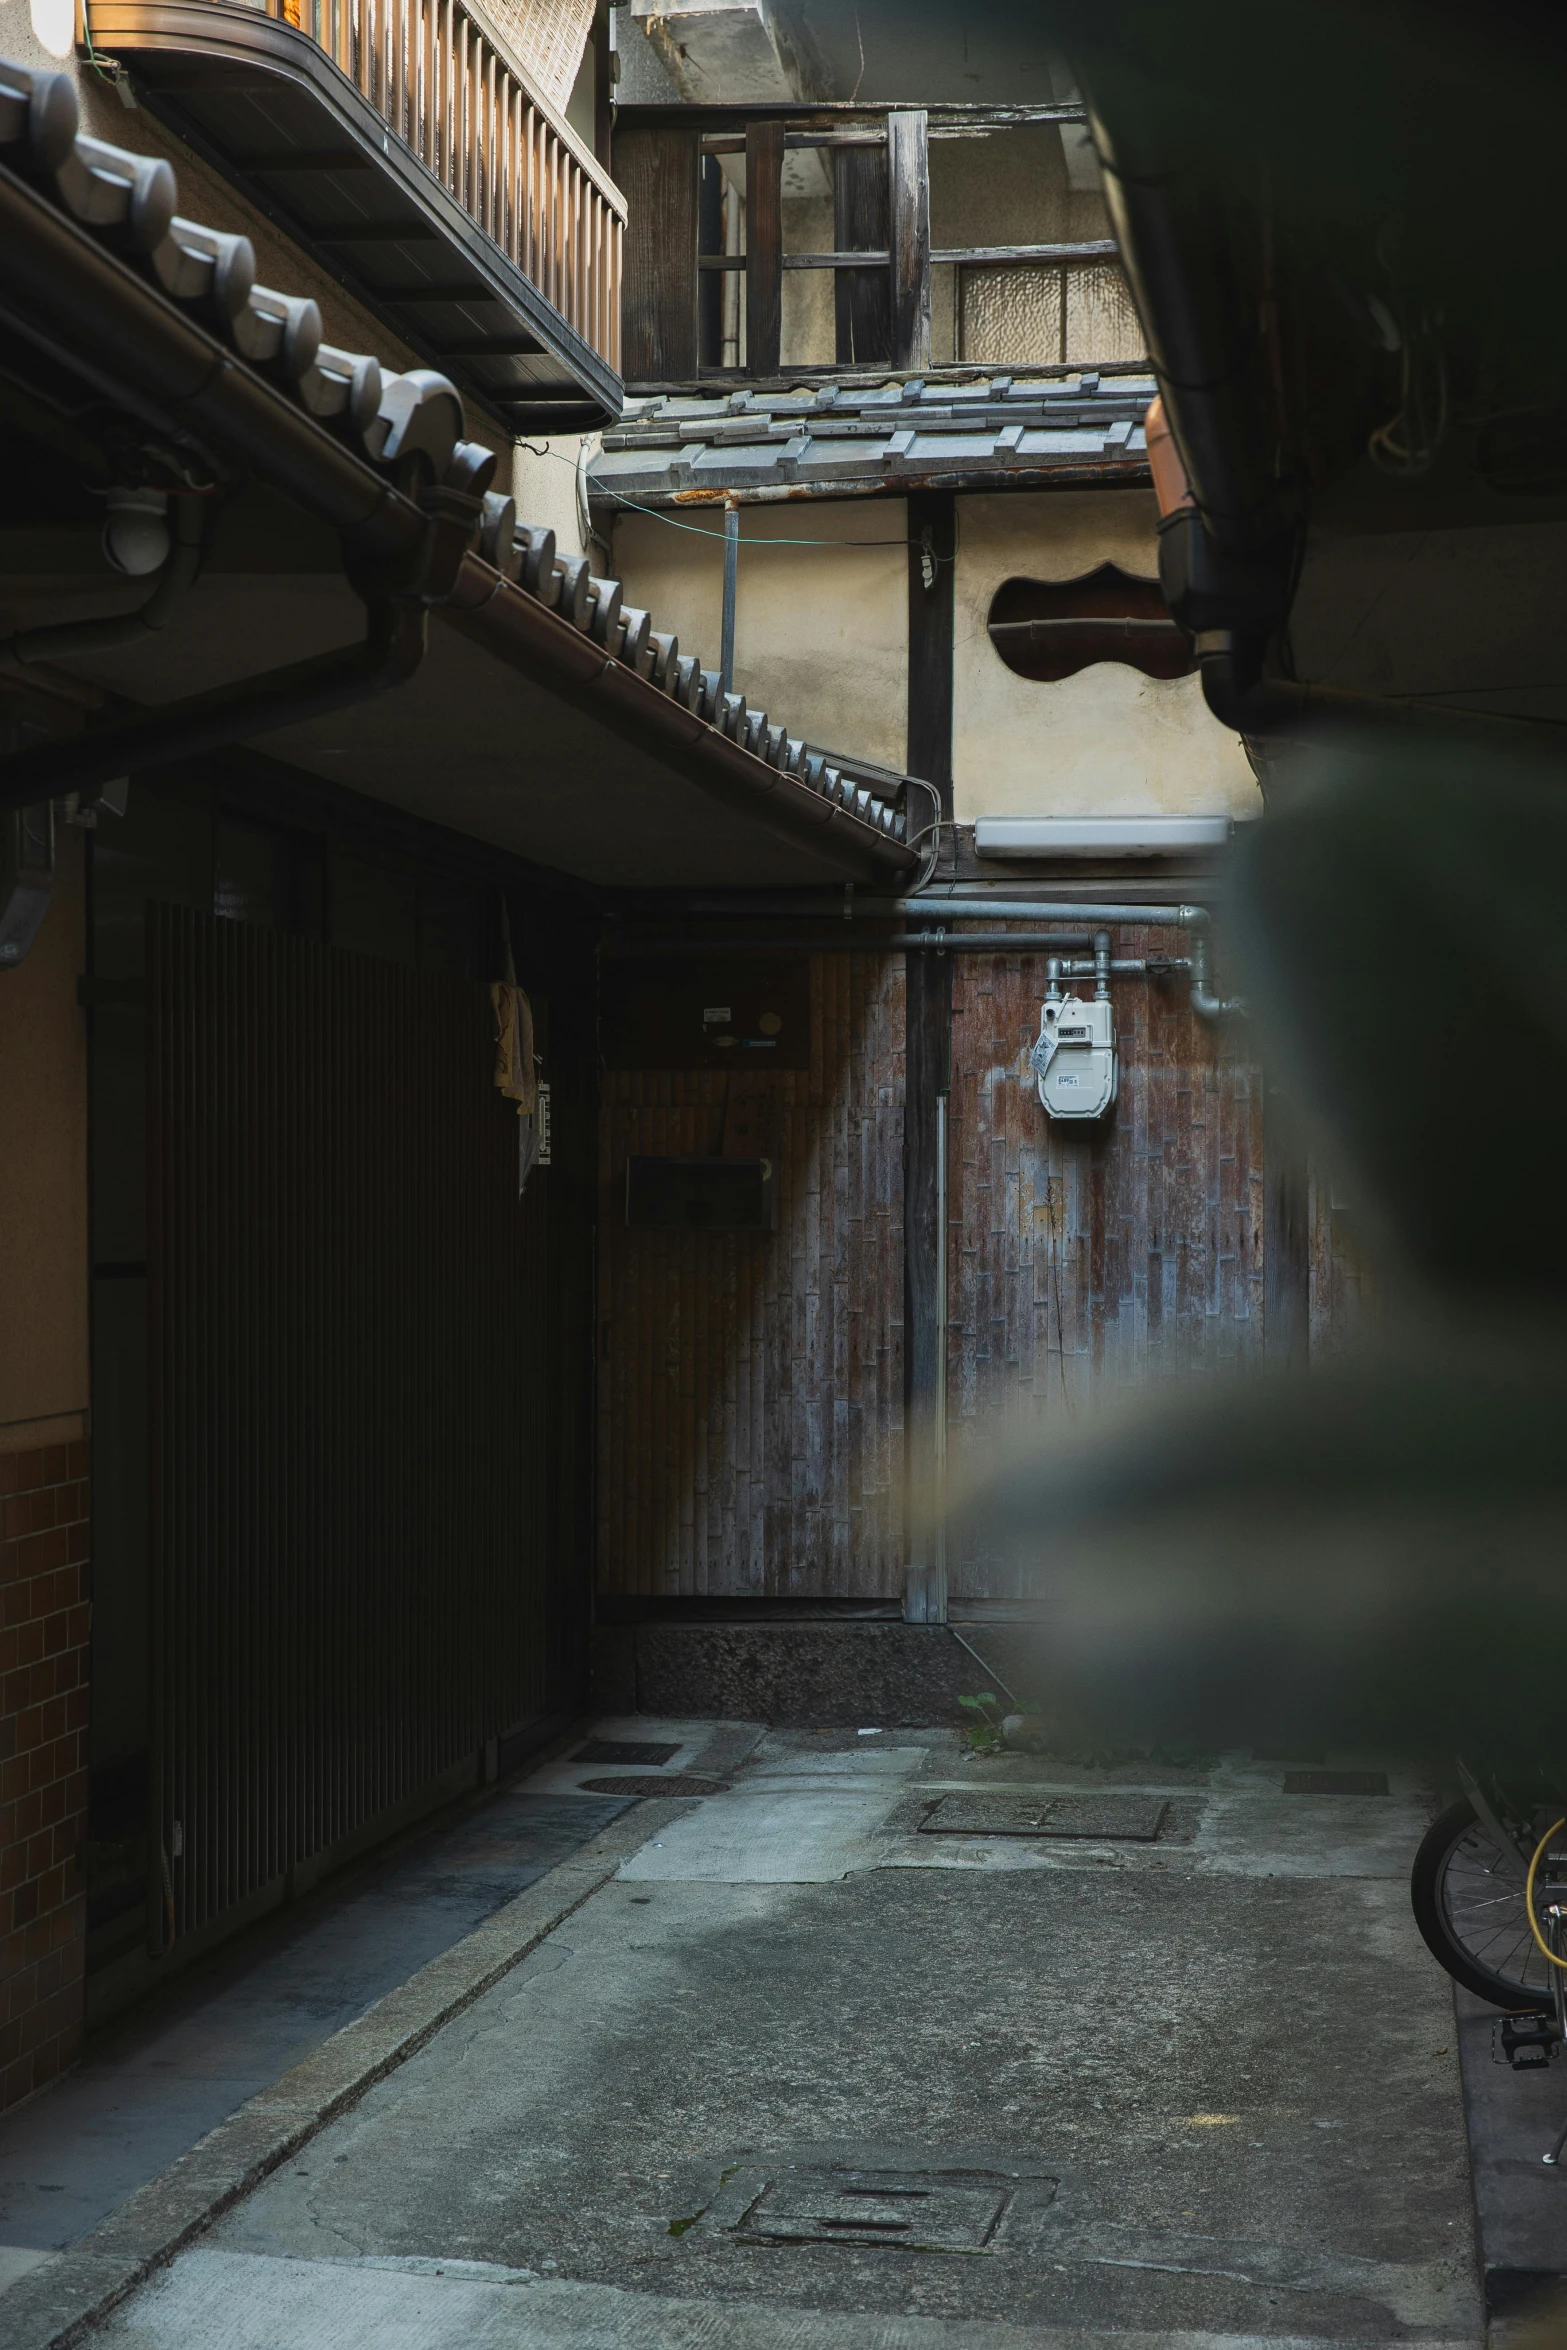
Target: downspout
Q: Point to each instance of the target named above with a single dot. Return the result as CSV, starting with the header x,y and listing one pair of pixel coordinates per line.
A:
x,y
1232,524
1229,659
936,1589
1204,1002
176,577
392,649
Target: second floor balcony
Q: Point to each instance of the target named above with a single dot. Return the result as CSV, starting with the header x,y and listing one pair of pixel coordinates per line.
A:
x,y
773,246
406,145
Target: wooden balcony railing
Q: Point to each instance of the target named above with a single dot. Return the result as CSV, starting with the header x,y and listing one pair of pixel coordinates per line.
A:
x,y
446,83
695,237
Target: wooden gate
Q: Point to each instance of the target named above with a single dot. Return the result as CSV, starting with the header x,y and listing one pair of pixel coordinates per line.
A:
x,y
355,1406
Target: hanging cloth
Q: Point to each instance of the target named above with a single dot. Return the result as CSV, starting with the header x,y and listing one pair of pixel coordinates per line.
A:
x,y
514,1064
515,1068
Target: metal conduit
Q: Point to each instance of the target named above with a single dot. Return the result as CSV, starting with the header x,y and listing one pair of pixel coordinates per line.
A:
x,y
930,906
940,942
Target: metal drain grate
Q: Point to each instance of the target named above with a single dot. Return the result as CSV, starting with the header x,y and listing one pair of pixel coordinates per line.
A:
x,y
1335,1783
898,2211
625,1750
1123,1819
678,1783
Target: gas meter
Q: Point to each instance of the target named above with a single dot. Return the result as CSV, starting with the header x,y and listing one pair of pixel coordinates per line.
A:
x,y
1074,1058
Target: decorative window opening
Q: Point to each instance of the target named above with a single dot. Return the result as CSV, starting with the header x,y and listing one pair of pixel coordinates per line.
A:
x,y
1048,629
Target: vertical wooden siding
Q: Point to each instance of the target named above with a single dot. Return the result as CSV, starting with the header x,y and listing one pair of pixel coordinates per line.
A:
x,y
1347,1302
751,1387
1087,1261
355,1398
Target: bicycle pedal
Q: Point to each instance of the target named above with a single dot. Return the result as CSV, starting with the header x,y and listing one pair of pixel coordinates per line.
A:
x,y
1528,2041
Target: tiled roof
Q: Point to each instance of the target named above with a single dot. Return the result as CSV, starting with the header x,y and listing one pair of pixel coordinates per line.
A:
x,y
851,435
398,425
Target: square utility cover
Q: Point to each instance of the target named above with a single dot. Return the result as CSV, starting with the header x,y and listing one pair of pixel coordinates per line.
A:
x,y
624,1750
1124,1819
904,2211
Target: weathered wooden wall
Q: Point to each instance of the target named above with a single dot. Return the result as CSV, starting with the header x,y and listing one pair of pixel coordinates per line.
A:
x,y
750,1386
1091,1260
1346,1298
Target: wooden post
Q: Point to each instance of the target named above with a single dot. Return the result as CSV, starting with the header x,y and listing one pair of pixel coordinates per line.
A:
x,y
606,64
764,154
926,1078
927,1056
861,305
932,534
908,189
659,171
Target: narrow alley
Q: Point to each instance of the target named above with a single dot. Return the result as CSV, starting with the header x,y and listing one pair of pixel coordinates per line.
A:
x,y
783,1077
873,2044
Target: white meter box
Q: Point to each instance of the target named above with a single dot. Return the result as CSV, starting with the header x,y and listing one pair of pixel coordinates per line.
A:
x,y
1075,1057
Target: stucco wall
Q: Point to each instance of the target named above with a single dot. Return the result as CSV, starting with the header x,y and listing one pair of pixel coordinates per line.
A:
x,y
821,630
1109,740
544,484
43,1174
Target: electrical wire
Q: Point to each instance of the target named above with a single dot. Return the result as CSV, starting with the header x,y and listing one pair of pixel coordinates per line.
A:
x,y
1528,1895
697,530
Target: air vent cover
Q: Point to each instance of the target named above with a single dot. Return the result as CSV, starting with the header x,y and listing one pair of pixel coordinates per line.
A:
x,y
700,1195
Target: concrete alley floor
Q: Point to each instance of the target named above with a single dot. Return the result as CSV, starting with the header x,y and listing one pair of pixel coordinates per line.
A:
x,y
157,2079
827,2067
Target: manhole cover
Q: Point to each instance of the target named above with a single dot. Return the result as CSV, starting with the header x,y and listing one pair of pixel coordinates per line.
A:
x,y
904,2211
677,1783
1123,1819
1335,1782
625,1750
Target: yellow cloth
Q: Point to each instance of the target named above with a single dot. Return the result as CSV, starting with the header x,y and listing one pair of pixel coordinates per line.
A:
x,y
514,1069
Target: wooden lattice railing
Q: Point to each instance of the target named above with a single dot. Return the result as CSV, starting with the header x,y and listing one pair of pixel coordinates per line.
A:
x,y
448,86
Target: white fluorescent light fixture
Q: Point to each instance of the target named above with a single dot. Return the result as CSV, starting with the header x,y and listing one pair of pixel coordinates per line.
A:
x,y
1099,836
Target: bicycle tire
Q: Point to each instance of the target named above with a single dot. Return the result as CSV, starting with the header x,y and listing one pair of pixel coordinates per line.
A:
x,y
1468,1900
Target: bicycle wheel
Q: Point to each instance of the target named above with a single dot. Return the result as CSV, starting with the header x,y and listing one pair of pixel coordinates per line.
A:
x,y
1468,1897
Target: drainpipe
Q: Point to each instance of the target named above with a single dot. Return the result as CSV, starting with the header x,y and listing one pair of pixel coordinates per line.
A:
x,y
1232,525
176,577
726,658
936,1587
392,649
1204,1002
